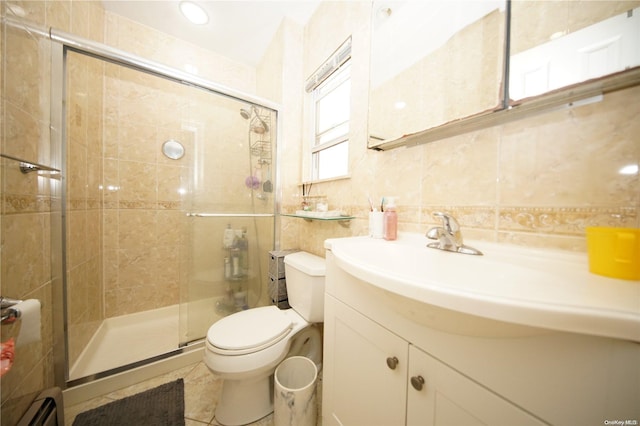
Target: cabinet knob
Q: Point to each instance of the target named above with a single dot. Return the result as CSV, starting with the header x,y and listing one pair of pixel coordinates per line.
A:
x,y
417,382
392,362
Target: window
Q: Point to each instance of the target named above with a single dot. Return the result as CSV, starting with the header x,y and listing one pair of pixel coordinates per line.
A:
x,y
330,91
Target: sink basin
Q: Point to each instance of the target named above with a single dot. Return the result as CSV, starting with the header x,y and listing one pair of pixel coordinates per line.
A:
x,y
551,289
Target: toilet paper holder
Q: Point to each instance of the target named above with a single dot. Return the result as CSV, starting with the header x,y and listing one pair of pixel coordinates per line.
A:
x,y
9,313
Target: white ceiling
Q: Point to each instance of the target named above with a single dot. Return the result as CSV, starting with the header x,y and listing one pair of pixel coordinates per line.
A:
x,y
238,29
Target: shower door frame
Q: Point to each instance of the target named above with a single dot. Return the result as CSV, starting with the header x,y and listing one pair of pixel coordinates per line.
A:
x,y
61,43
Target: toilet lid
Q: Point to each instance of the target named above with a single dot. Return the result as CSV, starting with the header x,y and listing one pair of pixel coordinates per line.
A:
x,y
255,329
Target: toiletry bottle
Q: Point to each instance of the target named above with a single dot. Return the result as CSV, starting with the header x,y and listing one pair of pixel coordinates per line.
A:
x,y
227,268
229,236
235,262
390,220
243,245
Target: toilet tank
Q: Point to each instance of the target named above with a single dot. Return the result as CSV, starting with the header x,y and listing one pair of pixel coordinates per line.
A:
x,y
304,273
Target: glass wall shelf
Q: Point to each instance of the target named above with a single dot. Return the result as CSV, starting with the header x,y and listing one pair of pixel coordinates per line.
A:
x,y
309,216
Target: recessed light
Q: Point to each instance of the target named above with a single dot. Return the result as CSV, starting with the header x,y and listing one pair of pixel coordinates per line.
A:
x,y
400,105
194,13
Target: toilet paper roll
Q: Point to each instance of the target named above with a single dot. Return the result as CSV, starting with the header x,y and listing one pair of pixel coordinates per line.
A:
x,y
29,322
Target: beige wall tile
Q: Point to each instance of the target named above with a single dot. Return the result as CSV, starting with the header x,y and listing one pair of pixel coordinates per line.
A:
x,y
573,158
23,134
136,140
59,14
136,229
76,237
24,248
137,182
170,183
34,11
461,170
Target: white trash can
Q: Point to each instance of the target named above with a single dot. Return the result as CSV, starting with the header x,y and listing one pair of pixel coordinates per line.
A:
x,y
294,402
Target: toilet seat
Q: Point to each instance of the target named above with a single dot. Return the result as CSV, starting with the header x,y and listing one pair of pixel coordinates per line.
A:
x,y
249,331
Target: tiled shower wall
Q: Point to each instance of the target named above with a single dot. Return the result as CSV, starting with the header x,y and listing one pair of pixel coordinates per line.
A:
x,y
148,205
28,201
31,203
143,191
150,246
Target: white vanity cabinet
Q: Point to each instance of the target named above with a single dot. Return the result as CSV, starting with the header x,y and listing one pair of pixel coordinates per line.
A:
x,y
439,395
476,369
377,378
368,367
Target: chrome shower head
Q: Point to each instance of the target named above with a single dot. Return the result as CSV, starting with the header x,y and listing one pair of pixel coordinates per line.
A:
x,y
245,114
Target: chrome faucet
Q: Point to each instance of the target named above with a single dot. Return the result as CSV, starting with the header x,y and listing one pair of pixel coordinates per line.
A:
x,y
449,236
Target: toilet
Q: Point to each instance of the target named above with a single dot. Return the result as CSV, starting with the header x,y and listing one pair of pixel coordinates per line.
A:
x,y
245,348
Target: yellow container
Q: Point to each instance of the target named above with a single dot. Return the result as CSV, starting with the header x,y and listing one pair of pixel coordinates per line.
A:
x,y
614,252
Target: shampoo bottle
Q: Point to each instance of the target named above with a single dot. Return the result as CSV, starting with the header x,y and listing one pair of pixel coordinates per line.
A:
x,y
229,237
390,220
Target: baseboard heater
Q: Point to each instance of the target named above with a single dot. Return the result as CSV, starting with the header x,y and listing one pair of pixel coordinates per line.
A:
x,y
46,410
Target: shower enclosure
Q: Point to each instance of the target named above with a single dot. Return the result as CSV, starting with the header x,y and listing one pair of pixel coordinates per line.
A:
x,y
167,201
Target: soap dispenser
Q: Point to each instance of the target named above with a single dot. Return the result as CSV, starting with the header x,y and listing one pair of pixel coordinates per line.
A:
x,y
390,220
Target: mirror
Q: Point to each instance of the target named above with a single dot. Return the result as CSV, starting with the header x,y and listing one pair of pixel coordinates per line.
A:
x,y
433,62
555,44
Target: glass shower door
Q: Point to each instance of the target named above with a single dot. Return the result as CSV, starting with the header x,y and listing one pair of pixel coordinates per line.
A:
x,y
125,216
231,220
157,171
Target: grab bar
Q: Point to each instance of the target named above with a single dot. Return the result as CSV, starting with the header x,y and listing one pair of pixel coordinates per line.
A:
x,y
230,214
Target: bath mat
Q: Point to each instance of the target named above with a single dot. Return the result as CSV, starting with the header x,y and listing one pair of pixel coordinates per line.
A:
x,y
161,406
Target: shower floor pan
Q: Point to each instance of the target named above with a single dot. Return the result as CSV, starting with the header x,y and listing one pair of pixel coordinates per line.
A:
x,y
128,339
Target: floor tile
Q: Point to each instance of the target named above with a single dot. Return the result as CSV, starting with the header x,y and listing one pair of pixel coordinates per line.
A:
x,y
201,391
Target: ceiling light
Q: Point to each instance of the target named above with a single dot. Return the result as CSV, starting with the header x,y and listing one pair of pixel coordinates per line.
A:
x,y
400,105
194,13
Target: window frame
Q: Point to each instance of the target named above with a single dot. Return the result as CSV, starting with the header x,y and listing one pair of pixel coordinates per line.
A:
x,y
342,75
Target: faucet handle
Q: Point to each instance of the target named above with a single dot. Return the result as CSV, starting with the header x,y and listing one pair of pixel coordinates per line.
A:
x,y
434,233
449,223
449,235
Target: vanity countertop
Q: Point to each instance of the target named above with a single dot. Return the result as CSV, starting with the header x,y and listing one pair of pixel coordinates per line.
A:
x,y
551,289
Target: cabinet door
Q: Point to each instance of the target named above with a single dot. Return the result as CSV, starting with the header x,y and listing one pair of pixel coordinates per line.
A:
x,y
450,398
360,385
